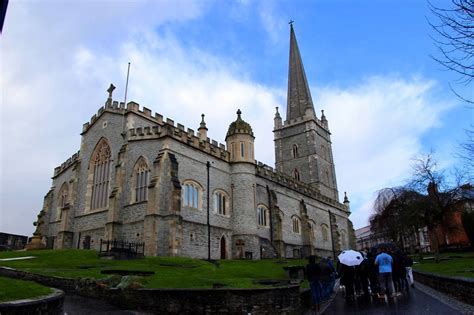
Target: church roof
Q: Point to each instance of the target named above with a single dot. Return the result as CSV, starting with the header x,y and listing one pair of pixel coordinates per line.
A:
x,y
239,126
299,96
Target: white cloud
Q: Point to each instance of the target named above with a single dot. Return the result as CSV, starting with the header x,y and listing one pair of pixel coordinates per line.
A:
x,y
273,23
377,127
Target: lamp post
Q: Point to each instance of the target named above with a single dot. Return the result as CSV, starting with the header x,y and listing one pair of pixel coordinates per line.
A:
x,y
208,166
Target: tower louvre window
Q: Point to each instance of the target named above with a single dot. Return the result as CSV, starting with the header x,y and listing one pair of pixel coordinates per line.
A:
x,y
296,174
242,150
295,151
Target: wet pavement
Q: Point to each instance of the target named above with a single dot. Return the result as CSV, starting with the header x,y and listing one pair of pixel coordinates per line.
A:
x,y
77,305
420,300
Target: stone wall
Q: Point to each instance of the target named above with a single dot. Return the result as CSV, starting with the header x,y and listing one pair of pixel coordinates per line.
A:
x,y
460,288
284,300
51,305
279,300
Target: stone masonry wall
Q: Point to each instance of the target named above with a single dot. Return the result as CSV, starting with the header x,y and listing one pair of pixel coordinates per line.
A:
x,y
460,288
280,300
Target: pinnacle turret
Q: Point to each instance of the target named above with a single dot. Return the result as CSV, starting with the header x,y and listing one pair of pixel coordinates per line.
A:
x,y
277,119
202,129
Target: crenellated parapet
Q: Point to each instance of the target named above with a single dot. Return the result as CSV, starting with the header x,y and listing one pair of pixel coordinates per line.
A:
x,y
64,166
120,108
269,173
181,134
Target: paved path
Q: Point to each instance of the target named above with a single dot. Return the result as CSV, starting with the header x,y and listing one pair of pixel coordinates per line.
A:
x,y
77,305
420,300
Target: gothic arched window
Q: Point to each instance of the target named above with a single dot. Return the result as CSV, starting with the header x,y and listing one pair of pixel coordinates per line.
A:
x,y
63,200
263,215
192,195
343,239
325,232
295,151
296,174
296,224
311,226
140,180
100,166
221,203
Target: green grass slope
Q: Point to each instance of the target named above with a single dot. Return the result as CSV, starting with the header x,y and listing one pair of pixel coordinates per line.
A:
x,y
13,289
170,272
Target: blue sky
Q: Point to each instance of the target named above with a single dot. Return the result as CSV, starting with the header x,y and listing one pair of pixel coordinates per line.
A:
x,y
367,62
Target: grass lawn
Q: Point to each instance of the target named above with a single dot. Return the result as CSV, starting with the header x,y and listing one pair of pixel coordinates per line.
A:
x,y
13,289
451,264
170,272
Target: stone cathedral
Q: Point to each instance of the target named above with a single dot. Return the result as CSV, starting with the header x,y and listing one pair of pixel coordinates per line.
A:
x,y
140,177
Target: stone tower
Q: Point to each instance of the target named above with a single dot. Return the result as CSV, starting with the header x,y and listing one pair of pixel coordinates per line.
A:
x,y
239,141
302,142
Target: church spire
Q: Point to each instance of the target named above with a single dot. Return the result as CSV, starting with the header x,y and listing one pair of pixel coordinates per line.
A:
x,y
299,102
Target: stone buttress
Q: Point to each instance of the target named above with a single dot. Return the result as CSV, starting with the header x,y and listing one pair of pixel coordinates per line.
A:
x,y
163,221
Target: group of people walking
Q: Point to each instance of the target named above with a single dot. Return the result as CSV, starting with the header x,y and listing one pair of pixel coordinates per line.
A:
x,y
381,272
321,277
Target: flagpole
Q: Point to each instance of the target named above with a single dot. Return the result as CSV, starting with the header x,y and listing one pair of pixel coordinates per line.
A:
x,y
126,85
125,103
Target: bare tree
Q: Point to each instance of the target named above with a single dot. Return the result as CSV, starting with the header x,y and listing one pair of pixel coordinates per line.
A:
x,y
394,216
466,152
428,200
436,207
454,38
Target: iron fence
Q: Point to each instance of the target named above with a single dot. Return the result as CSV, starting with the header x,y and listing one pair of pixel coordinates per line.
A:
x,y
121,249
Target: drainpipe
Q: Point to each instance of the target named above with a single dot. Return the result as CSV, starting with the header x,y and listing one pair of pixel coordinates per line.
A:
x,y
208,165
332,236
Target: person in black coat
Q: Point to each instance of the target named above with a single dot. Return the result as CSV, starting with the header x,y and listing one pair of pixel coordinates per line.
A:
x,y
313,273
347,279
373,272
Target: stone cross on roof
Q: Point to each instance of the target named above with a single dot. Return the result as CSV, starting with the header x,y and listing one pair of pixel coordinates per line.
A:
x,y
111,90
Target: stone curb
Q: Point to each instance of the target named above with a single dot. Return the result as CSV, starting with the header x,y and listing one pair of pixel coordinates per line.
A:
x,y
460,288
47,304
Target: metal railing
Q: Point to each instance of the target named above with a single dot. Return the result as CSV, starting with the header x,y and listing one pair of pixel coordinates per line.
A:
x,y
121,249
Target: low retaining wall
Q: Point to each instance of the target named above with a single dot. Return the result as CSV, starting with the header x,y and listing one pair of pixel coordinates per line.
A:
x,y
51,304
460,288
65,284
279,300
285,300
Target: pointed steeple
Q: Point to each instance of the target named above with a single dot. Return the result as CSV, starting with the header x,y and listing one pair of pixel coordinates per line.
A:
x,y
299,102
